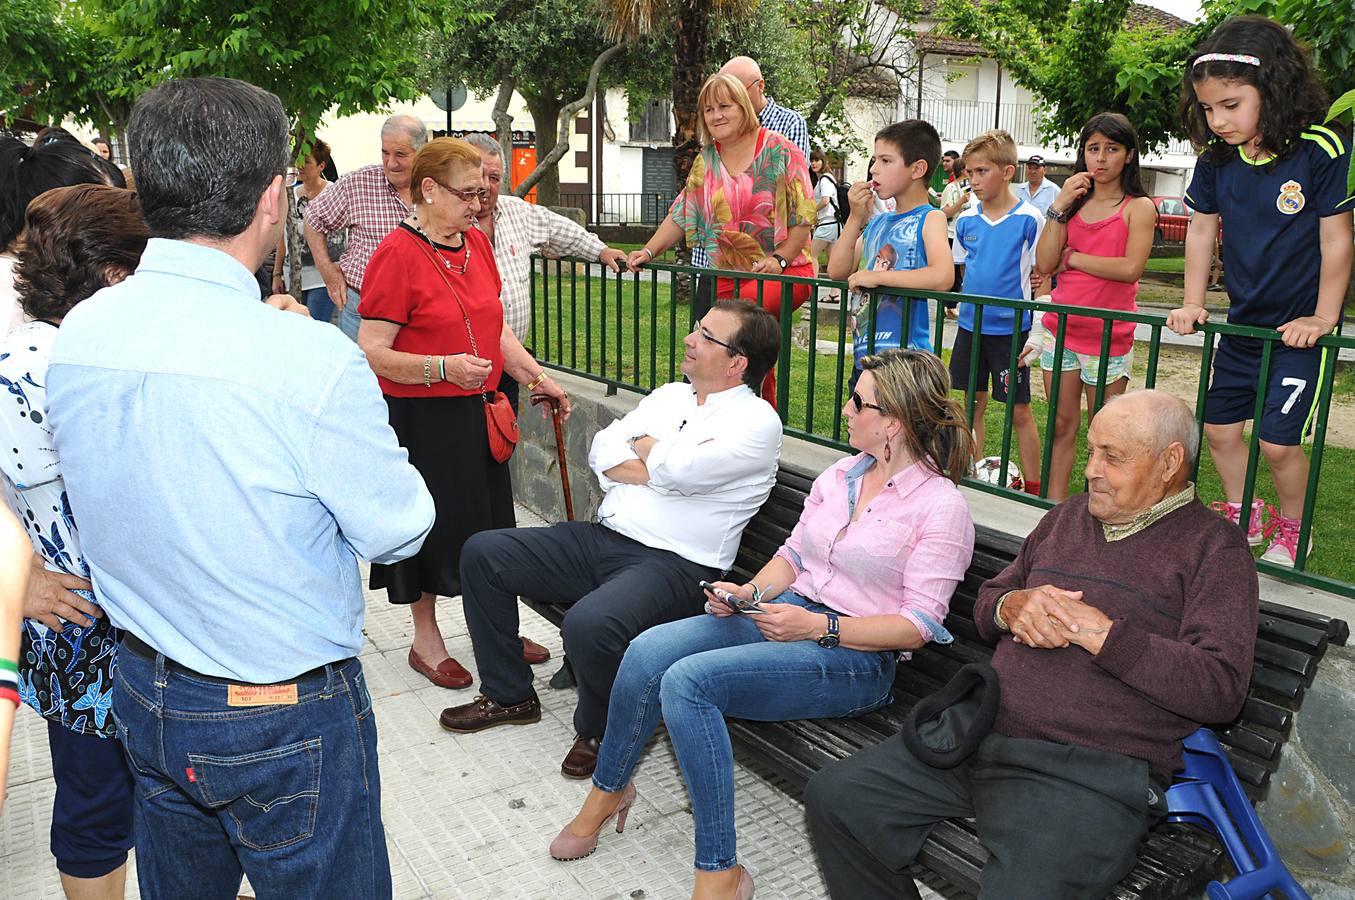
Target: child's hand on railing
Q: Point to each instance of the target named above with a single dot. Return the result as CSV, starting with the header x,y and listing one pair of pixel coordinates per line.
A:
x,y
1023,361
1183,319
1304,332
863,280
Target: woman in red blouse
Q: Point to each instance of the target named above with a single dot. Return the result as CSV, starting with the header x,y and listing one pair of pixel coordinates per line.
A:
x,y
433,329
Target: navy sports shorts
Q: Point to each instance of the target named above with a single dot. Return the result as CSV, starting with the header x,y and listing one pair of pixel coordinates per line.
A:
x,y
1291,396
995,358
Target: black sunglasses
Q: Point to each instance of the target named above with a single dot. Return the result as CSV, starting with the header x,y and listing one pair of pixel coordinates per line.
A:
x,y
859,403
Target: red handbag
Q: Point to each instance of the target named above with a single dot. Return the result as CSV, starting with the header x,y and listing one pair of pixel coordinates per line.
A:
x,y
501,423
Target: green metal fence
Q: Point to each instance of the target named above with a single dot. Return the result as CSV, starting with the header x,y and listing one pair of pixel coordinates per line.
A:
x,y
625,330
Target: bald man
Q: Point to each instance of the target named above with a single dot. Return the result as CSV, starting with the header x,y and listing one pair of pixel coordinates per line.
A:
x,y
1126,621
771,115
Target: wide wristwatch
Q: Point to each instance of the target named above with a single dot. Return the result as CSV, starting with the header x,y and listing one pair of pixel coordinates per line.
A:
x,y
781,260
831,639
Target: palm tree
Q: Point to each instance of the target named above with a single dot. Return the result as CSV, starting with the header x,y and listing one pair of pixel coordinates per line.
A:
x,y
632,19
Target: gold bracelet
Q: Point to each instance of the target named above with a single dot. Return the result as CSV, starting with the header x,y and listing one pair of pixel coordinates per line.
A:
x,y
536,382
997,612
428,371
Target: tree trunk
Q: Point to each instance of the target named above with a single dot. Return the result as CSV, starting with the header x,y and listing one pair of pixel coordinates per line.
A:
x,y
545,112
691,45
503,125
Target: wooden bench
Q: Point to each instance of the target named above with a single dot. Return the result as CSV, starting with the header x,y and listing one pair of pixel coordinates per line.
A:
x,y
1176,860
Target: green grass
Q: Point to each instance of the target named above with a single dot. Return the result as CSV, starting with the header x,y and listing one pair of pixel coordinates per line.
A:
x,y
644,359
1176,264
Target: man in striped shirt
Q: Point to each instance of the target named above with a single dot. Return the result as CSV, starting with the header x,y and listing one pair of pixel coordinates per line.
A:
x,y
517,229
770,115
369,202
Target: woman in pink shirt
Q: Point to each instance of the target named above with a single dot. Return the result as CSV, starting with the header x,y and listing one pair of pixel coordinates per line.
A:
x,y
868,572
1096,239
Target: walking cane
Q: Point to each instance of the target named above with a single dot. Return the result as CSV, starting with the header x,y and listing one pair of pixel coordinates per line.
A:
x,y
537,400
565,677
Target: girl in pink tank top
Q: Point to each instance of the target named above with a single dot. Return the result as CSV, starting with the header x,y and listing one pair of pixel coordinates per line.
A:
x,y
1096,239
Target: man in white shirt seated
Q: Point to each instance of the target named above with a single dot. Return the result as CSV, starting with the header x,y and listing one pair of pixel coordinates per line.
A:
x,y
684,472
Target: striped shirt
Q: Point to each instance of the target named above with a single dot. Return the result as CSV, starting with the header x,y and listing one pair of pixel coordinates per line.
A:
x,y
520,229
783,121
368,205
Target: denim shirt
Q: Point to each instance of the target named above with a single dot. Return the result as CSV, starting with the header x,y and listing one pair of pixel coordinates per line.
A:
x,y
228,464
904,555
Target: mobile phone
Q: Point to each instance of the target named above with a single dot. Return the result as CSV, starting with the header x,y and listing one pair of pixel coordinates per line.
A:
x,y
737,604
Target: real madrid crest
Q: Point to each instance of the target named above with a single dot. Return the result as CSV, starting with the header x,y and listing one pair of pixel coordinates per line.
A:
x,y
1290,201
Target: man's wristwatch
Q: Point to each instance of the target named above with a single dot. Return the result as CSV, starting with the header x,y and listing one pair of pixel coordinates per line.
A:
x,y
830,640
781,260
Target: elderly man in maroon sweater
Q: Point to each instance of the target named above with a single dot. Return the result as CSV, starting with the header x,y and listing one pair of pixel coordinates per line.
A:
x,y
1126,621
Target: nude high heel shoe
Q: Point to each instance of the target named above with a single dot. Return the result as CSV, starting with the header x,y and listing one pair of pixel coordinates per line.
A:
x,y
568,845
745,891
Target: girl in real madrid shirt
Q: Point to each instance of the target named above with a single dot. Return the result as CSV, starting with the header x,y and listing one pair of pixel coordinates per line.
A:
x,y
1278,178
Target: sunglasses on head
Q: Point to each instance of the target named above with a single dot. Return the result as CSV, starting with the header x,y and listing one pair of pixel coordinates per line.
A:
x,y
859,403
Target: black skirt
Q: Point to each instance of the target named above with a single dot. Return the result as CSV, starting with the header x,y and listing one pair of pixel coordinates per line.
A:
x,y
448,444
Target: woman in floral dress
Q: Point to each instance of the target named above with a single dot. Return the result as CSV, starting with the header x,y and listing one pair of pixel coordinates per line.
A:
x,y
77,240
748,201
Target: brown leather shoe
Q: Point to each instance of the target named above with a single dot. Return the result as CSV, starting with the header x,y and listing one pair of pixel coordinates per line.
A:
x,y
482,713
449,673
533,653
581,759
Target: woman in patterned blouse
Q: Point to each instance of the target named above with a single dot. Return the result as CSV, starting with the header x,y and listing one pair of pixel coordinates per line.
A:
x,y
77,240
748,201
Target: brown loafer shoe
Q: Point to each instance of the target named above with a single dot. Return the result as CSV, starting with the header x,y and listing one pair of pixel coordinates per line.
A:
x,y
533,653
581,759
449,673
482,713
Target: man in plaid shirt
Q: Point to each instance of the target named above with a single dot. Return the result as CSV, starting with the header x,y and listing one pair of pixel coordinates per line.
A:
x,y
370,202
770,115
516,229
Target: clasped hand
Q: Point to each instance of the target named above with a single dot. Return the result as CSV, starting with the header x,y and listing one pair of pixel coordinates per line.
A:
x,y
1049,617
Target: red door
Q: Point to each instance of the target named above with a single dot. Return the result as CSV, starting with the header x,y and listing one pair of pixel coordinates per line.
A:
x,y
524,163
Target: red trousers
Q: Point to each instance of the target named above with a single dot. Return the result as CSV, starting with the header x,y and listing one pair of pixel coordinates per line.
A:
x,y
771,301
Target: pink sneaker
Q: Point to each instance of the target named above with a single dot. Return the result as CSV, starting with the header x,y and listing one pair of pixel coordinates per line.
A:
x,y
1233,512
1284,545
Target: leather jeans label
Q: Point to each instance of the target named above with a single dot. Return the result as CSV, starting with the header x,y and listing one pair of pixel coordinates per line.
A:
x,y
261,695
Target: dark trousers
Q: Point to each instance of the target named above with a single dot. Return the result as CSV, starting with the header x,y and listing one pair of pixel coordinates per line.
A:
x,y
1057,820
615,587
703,296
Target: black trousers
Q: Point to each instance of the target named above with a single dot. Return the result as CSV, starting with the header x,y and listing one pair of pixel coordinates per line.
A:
x,y
1057,820
703,296
615,587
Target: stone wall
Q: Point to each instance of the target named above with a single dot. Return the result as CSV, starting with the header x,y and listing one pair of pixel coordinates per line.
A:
x,y
1310,809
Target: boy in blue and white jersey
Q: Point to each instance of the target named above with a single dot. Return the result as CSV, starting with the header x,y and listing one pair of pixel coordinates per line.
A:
x,y
896,250
995,243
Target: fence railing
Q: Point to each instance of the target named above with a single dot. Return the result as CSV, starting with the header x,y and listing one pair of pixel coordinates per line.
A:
x,y
962,120
626,330
643,208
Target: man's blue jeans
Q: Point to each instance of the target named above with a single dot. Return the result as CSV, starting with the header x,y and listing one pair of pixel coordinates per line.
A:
x,y
287,794
349,320
317,301
697,671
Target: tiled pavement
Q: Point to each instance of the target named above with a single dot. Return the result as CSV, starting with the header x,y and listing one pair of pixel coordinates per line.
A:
x,y
470,816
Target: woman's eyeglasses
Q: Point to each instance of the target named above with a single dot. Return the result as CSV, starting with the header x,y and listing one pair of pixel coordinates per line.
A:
x,y
859,403
480,194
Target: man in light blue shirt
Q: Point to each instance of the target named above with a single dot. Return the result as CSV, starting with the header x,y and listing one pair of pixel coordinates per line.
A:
x,y
1037,190
209,442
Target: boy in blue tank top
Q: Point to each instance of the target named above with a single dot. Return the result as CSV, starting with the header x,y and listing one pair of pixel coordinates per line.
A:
x,y
898,250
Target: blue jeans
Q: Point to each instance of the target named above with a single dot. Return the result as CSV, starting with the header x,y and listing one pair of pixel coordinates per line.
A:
x,y
349,320
697,671
225,789
317,301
